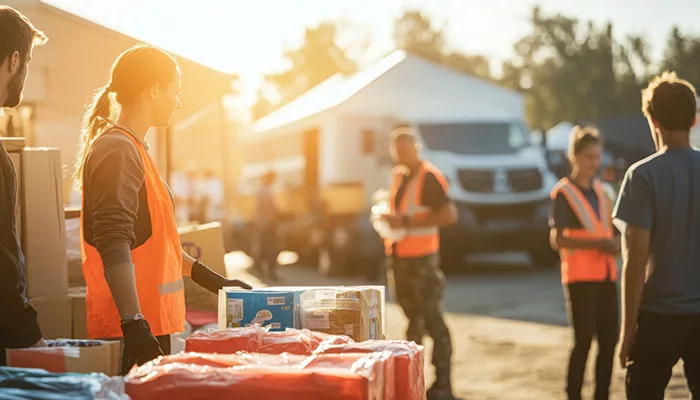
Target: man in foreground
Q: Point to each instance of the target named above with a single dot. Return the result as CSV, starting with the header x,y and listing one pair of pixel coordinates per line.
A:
x,y
18,327
658,212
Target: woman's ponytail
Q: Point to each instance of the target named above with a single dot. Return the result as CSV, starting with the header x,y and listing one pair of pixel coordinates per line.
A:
x,y
95,120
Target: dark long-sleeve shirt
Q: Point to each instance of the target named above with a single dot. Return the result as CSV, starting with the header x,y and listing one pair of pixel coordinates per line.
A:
x,y
116,217
18,324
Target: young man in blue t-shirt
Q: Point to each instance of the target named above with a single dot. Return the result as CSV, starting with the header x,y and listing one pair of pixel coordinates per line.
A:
x,y
658,212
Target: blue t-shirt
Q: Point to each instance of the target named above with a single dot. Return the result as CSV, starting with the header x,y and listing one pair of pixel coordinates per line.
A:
x,y
662,194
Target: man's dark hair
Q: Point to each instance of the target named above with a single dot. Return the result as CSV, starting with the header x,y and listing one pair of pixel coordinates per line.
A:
x,y
17,34
403,133
670,101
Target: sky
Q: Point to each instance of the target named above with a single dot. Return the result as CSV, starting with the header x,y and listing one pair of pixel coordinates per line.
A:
x,y
247,37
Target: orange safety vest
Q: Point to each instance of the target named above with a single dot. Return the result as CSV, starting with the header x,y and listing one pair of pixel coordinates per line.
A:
x,y
157,263
418,242
587,265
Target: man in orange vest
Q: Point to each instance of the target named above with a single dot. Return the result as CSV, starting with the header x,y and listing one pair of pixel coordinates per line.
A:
x,y
419,205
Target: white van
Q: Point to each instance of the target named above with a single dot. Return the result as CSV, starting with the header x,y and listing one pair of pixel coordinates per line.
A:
x,y
499,181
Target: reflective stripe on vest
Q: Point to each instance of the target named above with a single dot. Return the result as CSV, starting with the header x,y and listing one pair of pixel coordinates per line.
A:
x,y
418,242
157,267
587,265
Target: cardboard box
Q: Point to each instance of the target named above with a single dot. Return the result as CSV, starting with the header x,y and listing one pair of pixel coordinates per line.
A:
x,y
239,308
102,358
54,316
79,311
371,306
43,229
13,144
206,244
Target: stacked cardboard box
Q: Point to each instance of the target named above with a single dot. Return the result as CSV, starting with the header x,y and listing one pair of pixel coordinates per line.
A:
x,y
40,221
204,243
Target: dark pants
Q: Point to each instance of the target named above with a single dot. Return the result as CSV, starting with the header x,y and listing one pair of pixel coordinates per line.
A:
x,y
593,311
268,249
663,339
420,284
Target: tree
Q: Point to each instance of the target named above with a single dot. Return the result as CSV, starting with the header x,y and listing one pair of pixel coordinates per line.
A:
x,y
263,106
416,34
682,55
317,59
573,71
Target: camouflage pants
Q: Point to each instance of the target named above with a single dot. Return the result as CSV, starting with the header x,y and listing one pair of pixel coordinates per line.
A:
x,y
419,285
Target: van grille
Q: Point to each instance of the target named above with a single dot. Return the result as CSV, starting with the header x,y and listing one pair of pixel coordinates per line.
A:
x,y
477,181
525,180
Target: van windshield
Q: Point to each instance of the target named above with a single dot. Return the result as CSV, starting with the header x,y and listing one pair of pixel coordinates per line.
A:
x,y
475,138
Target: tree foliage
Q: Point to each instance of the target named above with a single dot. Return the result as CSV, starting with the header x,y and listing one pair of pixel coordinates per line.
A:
x,y
319,57
569,69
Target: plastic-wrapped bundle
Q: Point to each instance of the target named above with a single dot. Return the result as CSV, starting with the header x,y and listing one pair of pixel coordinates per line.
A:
x,y
38,384
227,341
238,360
409,363
257,340
260,377
380,386
295,341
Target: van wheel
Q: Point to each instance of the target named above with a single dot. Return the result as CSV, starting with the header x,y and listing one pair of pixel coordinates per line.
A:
x,y
544,258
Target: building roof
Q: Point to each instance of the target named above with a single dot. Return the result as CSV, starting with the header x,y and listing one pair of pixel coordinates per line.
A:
x,y
403,86
95,24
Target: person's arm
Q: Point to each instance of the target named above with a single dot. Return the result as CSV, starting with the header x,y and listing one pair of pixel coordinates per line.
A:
x,y
633,216
444,216
114,177
561,217
635,256
443,212
19,327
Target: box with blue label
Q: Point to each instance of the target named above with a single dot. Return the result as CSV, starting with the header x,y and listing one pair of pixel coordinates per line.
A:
x,y
355,311
240,308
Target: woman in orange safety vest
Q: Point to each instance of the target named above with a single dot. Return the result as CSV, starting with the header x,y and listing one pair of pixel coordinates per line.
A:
x,y
582,231
132,259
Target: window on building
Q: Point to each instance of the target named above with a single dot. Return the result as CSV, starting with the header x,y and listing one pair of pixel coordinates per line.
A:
x,y
368,138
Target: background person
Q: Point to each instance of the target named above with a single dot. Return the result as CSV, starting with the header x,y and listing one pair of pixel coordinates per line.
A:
x,y
582,231
419,204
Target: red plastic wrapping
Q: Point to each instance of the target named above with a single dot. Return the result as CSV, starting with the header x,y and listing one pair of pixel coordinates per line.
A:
x,y
228,341
262,377
409,363
381,386
257,340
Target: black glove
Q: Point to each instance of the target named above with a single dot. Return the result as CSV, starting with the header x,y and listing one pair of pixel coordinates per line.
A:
x,y
210,280
140,346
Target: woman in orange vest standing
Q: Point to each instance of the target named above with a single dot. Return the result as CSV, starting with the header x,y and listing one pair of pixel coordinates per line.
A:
x,y
132,259
582,231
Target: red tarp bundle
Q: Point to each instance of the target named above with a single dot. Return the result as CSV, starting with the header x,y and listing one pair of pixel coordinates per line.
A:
x,y
190,376
226,342
257,340
408,358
